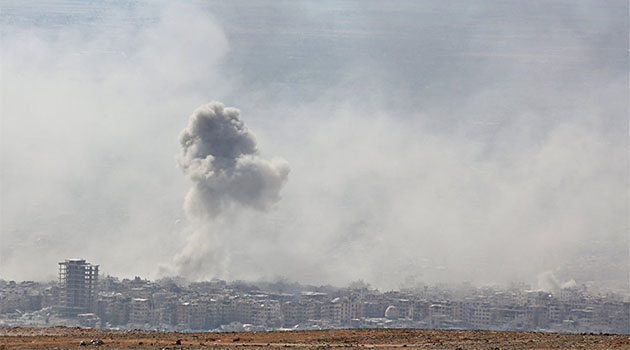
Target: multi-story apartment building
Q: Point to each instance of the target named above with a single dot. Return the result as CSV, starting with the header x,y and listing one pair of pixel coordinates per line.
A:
x,y
79,286
191,315
480,314
140,311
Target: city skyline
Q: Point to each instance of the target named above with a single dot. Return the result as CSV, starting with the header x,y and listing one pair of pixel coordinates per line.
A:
x,y
175,305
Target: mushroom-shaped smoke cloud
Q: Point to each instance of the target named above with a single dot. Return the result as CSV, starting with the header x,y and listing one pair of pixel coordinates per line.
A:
x,y
220,156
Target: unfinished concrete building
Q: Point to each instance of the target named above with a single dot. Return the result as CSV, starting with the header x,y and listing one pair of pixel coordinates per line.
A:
x,y
79,283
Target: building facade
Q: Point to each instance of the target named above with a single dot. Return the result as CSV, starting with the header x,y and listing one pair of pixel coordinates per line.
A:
x,y
78,280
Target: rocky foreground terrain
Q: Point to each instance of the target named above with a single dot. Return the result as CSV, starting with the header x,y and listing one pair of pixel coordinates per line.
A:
x,y
78,338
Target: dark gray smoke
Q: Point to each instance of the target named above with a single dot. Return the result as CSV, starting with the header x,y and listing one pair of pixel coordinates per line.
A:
x,y
220,156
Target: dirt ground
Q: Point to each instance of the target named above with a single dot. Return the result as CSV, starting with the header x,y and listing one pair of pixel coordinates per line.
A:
x,y
70,338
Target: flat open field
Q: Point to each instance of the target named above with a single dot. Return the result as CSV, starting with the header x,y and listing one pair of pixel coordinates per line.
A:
x,y
70,338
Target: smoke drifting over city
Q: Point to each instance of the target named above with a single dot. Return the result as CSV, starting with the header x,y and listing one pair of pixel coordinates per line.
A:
x,y
428,142
220,156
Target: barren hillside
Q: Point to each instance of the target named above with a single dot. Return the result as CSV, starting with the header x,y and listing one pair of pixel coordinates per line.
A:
x,y
72,338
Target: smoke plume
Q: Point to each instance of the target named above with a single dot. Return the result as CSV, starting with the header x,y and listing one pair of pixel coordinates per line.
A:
x,y
219,155
547,281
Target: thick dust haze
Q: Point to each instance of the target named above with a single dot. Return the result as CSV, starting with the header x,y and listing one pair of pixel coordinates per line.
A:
x,y
428,142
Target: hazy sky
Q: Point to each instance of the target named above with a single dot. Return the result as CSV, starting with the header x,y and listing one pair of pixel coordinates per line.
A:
x,y
427,141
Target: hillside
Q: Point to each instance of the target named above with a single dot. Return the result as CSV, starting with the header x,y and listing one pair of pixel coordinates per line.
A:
x,y
71,338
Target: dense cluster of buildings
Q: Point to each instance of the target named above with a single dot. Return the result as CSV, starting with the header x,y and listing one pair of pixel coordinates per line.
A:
x,y
80,298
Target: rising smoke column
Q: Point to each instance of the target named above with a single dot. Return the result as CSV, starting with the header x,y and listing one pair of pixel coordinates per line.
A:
x,y
220,157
